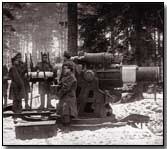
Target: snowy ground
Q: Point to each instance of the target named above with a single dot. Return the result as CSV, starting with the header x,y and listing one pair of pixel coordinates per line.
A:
x,y
152,134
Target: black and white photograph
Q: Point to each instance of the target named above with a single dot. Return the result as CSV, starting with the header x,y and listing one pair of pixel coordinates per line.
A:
x,y
83,73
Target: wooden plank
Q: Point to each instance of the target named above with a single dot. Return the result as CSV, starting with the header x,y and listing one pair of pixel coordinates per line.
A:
x,y
26,124
27,113
96,126
36,109
102,124
92,120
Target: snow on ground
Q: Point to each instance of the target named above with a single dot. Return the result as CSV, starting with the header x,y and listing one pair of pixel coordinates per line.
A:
x,y
149,107
150,134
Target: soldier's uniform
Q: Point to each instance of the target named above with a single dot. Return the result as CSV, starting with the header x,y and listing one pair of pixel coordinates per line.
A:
x,y
44,87
17,89
67,106
5,84
23,70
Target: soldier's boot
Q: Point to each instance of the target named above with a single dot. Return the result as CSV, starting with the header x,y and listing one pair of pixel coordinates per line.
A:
x,y
41,107
27,105
49,105
26,102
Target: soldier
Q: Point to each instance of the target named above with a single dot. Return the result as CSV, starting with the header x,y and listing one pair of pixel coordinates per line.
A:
x,y
67,59
5,84
44,87
67,106
22,70
17,89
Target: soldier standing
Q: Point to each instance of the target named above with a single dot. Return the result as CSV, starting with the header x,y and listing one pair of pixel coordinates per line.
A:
x,y
67,106
17,89
44,87
5,84
22,70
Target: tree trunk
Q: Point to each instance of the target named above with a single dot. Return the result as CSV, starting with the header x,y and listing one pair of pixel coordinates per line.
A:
x,y
72,28
138,27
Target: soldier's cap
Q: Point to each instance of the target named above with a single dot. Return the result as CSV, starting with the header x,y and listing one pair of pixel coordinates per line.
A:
x,y
13,59
44,54
18,55
67,54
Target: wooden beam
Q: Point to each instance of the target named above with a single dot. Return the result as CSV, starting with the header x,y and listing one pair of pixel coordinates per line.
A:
x,y
27,113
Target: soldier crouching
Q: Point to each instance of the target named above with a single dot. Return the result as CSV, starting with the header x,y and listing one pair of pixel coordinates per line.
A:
x,y
67,107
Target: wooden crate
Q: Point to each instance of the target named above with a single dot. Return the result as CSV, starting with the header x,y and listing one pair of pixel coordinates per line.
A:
x,y
35,130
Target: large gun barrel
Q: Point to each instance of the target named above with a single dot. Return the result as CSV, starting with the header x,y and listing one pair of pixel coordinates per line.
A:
x,y
151,74
95,58
116,77
134,73
115,74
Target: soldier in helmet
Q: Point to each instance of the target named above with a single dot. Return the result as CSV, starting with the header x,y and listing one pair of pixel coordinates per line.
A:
x,y
67,107
44,87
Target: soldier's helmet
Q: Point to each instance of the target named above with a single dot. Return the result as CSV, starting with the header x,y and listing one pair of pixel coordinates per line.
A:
x,y
67,54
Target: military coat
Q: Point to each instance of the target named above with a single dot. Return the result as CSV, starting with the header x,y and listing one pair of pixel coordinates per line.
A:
x,y
67,95
17,85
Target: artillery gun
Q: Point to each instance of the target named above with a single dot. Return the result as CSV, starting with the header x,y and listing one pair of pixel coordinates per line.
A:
x,y
101,72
